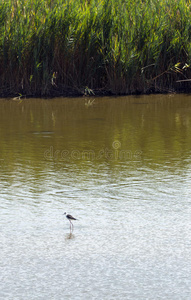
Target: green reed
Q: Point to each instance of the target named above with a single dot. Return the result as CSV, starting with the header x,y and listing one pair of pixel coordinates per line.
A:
x,y
59,47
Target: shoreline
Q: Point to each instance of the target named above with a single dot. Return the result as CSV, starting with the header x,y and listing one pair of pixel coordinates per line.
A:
x,y
186,89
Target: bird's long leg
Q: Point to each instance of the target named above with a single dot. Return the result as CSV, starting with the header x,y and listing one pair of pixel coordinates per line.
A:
x,y
70,225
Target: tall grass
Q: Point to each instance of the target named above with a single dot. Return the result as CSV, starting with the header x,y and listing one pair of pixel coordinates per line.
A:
x,y
67,47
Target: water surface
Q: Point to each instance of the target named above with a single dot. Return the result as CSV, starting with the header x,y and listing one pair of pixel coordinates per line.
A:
x,y
122,166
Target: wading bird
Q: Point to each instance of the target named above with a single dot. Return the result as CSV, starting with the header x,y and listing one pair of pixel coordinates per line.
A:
x,y
70,218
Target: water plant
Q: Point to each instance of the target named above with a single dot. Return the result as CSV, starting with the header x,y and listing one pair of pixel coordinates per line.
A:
x,y
61,47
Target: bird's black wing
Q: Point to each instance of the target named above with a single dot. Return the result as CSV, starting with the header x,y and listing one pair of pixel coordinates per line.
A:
x,y
70,217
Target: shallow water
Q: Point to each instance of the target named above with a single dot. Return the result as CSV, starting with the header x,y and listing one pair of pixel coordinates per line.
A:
x,y
122,166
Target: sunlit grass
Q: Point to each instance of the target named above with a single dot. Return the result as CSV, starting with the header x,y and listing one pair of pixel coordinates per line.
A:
x,y
57,47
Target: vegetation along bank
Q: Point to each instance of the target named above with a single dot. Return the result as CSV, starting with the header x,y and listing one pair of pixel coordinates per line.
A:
x,y
81,47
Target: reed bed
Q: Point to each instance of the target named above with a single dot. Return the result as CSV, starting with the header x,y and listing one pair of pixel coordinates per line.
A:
x,y
77,47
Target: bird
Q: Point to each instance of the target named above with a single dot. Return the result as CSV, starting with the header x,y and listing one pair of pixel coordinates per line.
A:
x,y
70,218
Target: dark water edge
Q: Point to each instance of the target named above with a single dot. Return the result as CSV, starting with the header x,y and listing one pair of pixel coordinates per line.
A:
x,y
180,88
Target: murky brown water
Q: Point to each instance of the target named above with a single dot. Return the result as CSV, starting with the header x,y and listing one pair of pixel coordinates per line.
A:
x,y
122,166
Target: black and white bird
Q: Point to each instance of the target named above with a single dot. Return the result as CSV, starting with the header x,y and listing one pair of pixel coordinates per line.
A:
x,y
70,218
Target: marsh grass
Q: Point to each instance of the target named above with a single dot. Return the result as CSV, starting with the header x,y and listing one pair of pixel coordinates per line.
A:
x,y
69,47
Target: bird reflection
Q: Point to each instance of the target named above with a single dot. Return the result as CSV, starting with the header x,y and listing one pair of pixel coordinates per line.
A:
x,y
70,236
